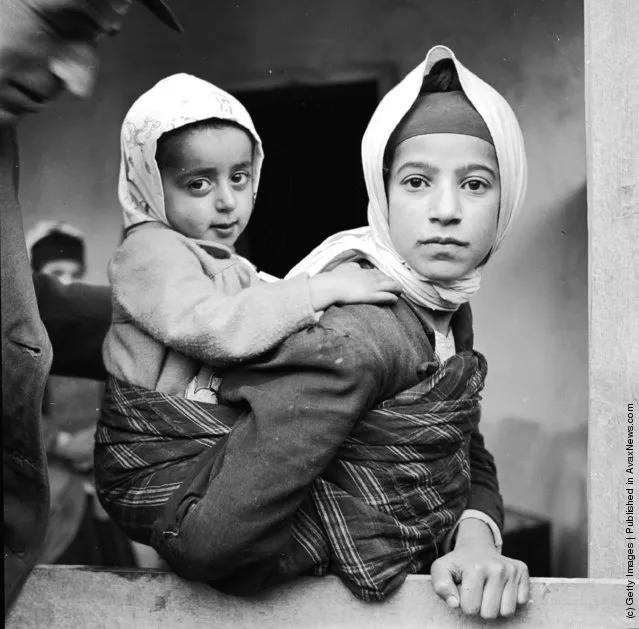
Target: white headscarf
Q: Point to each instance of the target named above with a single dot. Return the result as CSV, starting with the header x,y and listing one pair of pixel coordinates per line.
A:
x,y
374,242
176,101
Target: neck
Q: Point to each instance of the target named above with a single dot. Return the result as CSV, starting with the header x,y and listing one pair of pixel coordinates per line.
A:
x,y
439,319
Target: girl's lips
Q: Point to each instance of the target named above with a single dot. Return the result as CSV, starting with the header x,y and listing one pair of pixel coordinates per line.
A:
x,y
444,242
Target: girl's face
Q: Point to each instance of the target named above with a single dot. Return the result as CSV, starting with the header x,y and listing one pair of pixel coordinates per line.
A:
x,y
443,198
208,184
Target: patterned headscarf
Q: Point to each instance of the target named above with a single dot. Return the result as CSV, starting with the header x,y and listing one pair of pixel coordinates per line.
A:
x,y
174,102
374,242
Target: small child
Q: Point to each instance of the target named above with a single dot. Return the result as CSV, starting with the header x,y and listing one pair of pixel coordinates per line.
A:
x,y
184,303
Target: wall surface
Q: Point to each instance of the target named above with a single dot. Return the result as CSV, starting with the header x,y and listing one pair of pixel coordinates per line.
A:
x,y
157,600
531,313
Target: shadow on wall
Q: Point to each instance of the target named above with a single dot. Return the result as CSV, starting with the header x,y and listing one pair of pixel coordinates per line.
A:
x,y
542,458
547,472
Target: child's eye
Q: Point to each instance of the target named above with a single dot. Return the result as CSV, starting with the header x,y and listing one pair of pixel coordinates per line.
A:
x,y
199,185
240,178
476,185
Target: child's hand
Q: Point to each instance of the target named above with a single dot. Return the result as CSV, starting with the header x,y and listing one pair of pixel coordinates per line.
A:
x,y
351,284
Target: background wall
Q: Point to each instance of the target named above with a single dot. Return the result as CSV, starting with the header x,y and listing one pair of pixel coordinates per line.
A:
x,y
531,313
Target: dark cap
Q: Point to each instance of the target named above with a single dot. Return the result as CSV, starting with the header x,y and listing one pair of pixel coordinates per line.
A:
x,y
161,10
440,112
57,245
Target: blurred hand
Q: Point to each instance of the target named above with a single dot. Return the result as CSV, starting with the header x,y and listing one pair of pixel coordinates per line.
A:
x,y
77,449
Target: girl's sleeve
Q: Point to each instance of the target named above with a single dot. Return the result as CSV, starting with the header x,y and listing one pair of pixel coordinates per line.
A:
x,y
229,521
484,494
161,286
485,502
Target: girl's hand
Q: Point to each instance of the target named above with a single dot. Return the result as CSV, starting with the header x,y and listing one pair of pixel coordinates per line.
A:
x,y
479,580
350,284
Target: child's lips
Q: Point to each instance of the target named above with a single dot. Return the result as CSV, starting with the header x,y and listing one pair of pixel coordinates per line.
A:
x,y
224,226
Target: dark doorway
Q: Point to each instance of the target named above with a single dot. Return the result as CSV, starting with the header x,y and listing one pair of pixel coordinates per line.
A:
x,y
312,183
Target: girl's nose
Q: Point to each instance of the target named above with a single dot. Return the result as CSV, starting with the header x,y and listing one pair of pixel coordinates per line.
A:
x,y
445,205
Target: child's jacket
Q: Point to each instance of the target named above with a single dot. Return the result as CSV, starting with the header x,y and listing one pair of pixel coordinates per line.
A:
x,y
178,303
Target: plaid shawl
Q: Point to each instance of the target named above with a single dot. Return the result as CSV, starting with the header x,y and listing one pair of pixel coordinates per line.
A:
x,y
146,443
377,513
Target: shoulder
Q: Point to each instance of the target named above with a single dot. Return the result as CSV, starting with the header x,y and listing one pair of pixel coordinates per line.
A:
x,y
149,252
358,320
152,251
153,246
377,333
334,345
150,236
367,322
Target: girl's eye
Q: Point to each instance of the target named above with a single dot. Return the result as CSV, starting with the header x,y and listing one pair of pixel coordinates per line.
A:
x,y
415,183
476,185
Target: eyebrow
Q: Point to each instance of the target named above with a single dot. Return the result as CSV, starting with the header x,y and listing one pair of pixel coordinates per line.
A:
x,y
424,166
468,168
462,170
184,173
247,163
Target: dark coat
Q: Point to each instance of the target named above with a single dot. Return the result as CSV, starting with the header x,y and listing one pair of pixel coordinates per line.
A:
x,y
26,358
73,324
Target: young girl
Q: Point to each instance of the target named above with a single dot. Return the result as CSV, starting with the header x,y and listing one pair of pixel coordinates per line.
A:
x,y
183,301
357,451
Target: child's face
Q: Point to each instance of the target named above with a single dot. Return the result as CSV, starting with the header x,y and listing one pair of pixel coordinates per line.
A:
x,y
443,197
208,184
67,271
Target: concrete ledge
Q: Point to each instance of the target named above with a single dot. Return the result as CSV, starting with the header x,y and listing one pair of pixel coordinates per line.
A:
x,y
61,597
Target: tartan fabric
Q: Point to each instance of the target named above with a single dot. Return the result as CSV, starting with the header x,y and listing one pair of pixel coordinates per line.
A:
x,y
398,485
146,443
377,513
